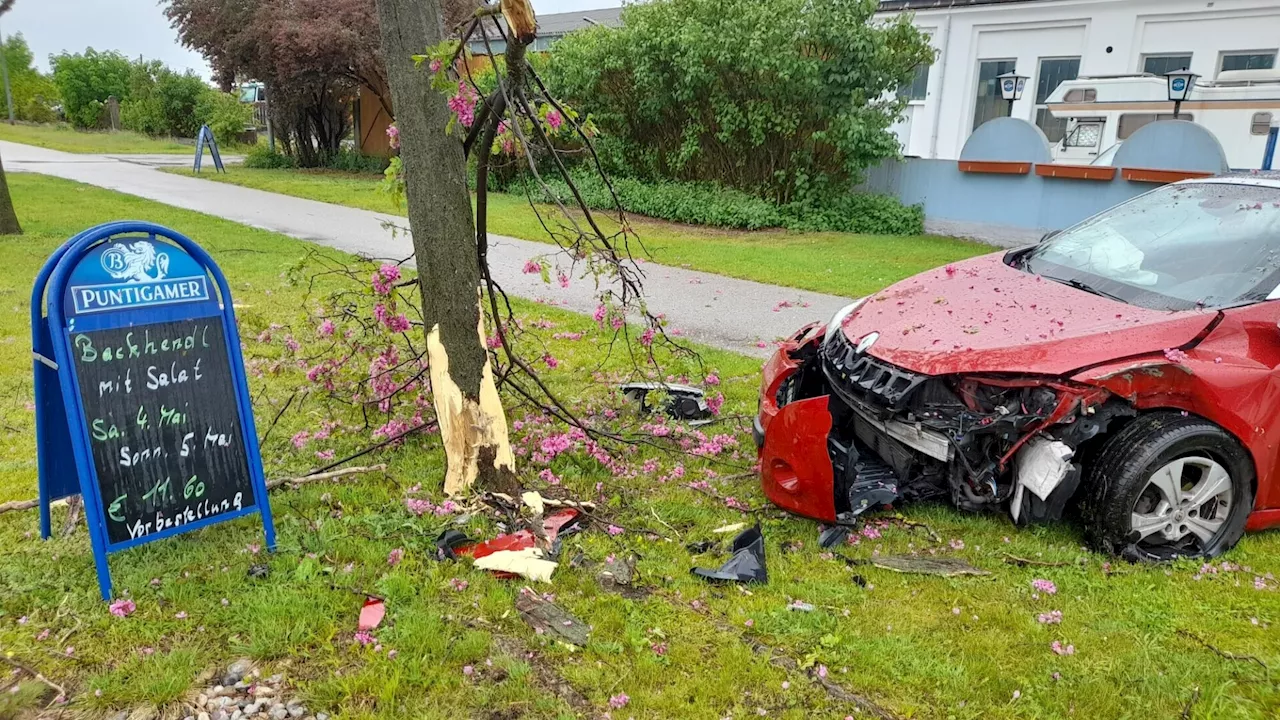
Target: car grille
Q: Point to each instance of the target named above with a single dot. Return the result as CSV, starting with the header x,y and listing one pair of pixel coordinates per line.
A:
x,y
862,377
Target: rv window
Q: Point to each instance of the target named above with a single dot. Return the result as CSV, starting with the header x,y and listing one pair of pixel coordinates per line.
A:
x,y
1131,123
1081,95
1261,124
1086,135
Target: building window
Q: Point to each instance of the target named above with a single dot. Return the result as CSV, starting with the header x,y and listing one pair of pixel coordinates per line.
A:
x,y
917,88
988,103
1053,71
1248,61
1261,124
1161,64
1131,123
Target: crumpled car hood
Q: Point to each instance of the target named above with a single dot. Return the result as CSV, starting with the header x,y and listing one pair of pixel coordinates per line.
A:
x,y
981,315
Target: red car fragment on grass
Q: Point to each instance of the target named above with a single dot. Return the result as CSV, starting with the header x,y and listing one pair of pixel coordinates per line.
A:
x,y
1127,365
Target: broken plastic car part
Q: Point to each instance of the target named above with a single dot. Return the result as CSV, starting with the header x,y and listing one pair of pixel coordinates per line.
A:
x,y
746,564
682,403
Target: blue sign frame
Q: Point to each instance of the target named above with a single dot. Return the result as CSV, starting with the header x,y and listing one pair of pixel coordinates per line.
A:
x,y
62,435
205,137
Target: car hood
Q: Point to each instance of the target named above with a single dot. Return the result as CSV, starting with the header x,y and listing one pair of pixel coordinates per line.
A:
x,y
983,316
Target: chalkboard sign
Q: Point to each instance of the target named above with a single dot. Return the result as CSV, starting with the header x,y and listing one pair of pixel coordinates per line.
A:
x,y
139,379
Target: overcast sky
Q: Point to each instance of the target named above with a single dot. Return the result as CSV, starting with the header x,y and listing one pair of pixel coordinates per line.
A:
x,y
139,27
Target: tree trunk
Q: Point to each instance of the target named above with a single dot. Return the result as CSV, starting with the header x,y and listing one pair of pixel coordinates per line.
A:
x,y
472,423
8,217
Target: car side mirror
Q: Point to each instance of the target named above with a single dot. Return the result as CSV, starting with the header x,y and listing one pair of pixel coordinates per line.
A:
x,y
1050,234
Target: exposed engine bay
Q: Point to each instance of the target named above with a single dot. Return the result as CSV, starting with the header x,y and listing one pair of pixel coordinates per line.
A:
x,y
984,442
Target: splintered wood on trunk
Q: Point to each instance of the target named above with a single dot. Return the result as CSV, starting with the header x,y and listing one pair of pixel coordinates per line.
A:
x,y
521,21
472,422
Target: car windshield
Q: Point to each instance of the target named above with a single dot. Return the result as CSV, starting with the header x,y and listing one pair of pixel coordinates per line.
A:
x,y
1180,247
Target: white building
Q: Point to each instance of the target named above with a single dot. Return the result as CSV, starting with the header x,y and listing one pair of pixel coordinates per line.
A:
x,y
1053,40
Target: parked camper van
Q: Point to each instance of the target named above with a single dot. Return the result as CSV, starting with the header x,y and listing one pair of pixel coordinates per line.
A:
x,y
1240,108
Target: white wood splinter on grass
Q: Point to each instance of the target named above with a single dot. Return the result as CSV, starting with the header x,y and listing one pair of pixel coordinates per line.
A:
x,y
467,426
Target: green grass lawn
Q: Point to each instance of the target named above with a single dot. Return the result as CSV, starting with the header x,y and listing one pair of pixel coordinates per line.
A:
x,y
68,139
837,263
922,647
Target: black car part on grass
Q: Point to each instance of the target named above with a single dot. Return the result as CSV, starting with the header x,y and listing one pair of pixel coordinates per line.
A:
x,y
747,563
682,402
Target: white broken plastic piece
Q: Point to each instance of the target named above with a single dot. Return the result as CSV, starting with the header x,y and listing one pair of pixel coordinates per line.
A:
x,y
534,501
528,563
1040,466
736,527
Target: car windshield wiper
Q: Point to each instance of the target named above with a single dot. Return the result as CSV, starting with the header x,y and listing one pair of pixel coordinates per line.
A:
x,y
1082,285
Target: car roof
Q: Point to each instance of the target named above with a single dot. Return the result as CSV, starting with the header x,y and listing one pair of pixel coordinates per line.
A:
x,y
1262,178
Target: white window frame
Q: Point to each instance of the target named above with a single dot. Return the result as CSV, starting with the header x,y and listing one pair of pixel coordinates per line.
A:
x,y
1035,89
1142,59
1222,56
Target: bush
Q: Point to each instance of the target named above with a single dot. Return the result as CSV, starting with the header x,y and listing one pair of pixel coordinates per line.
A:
x,y
710,204
161,101
260,157
783,98
354,162
225,115
85,81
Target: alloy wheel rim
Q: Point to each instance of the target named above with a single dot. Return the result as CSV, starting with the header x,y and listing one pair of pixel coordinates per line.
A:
x,y
1187,500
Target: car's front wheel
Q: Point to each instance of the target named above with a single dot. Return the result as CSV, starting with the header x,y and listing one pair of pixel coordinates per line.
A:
x,y
1169,486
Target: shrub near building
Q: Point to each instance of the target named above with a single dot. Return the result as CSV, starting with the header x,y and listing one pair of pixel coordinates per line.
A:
x,y
789,100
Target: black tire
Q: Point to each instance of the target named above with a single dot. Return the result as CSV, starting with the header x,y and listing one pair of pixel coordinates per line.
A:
x,y
1119,475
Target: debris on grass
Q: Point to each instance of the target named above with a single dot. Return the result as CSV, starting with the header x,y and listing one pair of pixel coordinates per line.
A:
x,y
682,402
519,553
833,536
702,546
747,563
449,542
529,563
944,567
547,618
259,571
371,613
735,527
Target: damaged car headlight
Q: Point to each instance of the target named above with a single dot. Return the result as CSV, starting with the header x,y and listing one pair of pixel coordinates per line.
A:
x,y
841,315
1011,397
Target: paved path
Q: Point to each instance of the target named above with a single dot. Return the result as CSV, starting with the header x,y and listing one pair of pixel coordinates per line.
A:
x,y
711,309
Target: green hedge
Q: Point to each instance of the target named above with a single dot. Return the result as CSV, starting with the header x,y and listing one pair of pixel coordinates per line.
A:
x,y
710,204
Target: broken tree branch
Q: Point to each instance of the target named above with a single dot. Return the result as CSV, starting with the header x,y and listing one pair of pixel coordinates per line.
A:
x,y
49,683
1222,653
318,477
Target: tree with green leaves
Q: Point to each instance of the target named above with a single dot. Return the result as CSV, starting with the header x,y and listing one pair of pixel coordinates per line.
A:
x,y
86,80
786,98
33,92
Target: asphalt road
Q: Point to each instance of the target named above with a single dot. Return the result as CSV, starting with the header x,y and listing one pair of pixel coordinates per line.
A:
x,y
711,309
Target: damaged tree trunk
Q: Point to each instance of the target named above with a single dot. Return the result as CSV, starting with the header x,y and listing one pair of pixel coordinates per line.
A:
x,y
472,423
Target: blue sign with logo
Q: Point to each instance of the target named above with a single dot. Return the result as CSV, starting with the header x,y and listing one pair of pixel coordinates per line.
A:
x,y
142,405
1178,84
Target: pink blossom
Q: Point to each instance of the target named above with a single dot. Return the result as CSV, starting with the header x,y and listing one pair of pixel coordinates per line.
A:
x,y
532,267
659,649
123,608
418,507
325,454
563,278
619,701
463,104
326,328
646,338
822,671
713,379
1060,649
436,65
458,584
1045,586
393,132
395,556
300,439
44,635
1176,356
549,477
715,403
181,615
1053,617
957,544
398,323
146,651
550,361
614,530
554,119
364,638
600,314
468,670
870,533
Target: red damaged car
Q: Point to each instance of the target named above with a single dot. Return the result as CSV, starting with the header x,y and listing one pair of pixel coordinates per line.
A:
x,y
1127,366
